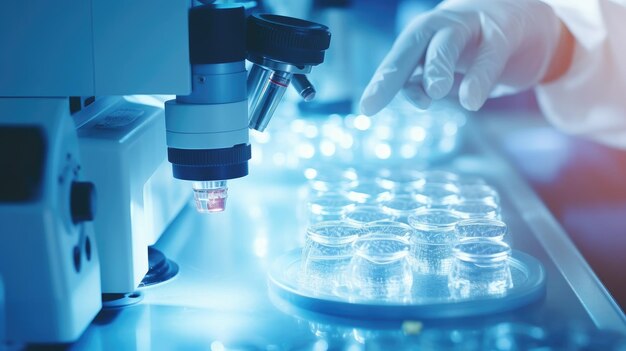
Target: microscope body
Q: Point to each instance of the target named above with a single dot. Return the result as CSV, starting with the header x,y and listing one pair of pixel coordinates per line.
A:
x,y
122,144
91,49
48,251
67,130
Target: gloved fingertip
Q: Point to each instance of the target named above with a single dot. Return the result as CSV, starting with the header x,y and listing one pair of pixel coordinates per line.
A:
x,y
437,88
368,106
366,109
368,101
471,96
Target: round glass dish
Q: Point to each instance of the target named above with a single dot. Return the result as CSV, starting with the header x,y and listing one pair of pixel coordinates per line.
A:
x,y
401,180
367,192
433,239
331,179
328,207
401,206
528,285
326,255
438,195
479,192
440,176
480,268
475,209
365,214
481,228
380,268
389,228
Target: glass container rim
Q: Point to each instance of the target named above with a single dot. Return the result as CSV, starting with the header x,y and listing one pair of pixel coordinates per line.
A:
x,y
482,222
333,241
433,226
319,208
387,223
492,258
365,208
360,248
492,210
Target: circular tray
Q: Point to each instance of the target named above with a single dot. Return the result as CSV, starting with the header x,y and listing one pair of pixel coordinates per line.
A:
x,y
432,300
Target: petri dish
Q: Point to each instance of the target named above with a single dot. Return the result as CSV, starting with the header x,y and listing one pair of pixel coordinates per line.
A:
x,y
389,228
381,269
437,194
481,228
479,192
326,255
329,206
480,268
475,209
401,180
440,176
401,206
332,179
364,214
367,192
470,180
370,173
433,239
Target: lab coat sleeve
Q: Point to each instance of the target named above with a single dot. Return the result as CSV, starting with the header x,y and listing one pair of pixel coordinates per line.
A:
x,y
590,99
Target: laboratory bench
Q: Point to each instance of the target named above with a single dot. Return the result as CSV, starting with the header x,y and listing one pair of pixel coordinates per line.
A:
x,y
220,298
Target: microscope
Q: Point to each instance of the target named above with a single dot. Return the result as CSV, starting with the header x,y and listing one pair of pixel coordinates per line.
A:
x,y
91,173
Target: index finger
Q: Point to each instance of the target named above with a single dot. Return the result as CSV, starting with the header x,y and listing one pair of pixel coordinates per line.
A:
x,y
397,67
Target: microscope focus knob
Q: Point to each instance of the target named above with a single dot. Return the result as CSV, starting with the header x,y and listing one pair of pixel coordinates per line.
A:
x,y
82,201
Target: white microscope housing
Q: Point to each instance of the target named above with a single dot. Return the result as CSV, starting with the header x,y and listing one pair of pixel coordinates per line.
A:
x,y
53,51
70,75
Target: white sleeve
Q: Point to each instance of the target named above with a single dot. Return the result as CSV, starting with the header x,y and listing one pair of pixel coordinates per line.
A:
x,y
590,99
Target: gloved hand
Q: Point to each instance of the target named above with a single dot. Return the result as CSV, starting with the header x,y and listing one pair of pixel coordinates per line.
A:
x,y
502,44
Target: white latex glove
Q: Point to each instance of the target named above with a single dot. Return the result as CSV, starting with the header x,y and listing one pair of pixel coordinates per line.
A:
x,y
506,45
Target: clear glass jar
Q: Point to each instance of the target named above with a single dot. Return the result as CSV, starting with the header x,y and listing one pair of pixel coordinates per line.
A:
x,y
440,176
329,207
401,206
433,239
401,180
389,228
326,255
470,180
365,214
331,179
480,268
481,228
367,192
437,195
479,192
381,269
475,209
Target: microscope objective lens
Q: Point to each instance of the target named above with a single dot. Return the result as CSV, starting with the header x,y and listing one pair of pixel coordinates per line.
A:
x,y
210,196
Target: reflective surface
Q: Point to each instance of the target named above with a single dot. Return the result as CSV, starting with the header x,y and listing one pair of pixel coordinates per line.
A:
x,y
220,300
